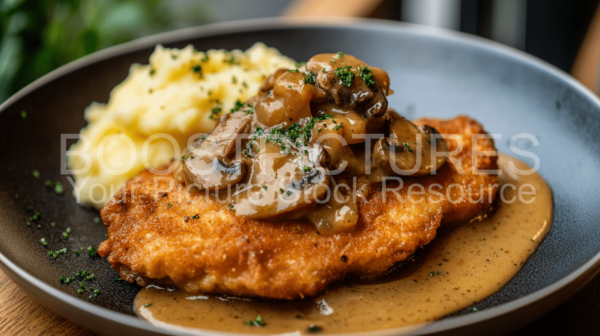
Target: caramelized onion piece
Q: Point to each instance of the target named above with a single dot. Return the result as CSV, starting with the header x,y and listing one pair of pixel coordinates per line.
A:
x,y
409,150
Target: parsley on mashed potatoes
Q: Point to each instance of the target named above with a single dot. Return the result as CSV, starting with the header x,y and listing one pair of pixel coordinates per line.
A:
x,y
181,93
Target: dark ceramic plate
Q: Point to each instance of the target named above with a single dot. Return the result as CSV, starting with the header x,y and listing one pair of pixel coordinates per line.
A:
x,y
434,73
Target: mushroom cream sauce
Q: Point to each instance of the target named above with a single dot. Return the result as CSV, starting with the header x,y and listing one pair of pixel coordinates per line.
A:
x,y
461,266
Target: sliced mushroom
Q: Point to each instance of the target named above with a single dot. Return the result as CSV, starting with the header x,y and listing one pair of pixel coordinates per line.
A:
x,y
408,151
282,183
209,165
338,214
351,92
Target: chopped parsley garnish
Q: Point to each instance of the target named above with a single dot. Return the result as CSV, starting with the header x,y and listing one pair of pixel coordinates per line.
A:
x,y
238,105
35,173
258,322
306,169
233,80
265,187
152,72
55,254
231,60
300,64
148,305
204,58
63,279
215,112
81,288
183,158
77,253
43,241
293,70
325,70
244,84
289,87
197,68
91,251
82,274
23,115
94,291
36,216
311,78
365,73
337,127
58,188
53,224
345,75
48,184
231,206
196,216
96,220
408,147
169,206
339,54
250,110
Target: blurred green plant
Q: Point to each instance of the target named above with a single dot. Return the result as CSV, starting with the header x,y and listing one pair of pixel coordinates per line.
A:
x,y
38,36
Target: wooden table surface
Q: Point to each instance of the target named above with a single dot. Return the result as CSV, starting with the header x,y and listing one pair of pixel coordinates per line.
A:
x,y
22,315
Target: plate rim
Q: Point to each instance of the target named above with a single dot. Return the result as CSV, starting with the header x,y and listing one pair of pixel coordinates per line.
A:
x,y
545,298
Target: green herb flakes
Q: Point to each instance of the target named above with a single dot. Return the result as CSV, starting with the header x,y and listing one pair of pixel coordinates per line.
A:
x,y
35,173
91,251
365,73
58,188
215,112
311,78
258,322
238,105
65,280
345,75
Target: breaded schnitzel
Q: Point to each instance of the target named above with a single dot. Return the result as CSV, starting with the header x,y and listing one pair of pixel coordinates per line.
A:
x,y
201,245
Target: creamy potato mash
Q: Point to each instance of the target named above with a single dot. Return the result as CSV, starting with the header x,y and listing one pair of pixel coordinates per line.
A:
x,y
150,117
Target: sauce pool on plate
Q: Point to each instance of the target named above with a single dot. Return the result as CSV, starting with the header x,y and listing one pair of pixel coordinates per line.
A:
x,y
460,267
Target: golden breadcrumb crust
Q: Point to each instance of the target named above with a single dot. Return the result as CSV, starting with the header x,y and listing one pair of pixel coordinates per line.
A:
x,y
214,250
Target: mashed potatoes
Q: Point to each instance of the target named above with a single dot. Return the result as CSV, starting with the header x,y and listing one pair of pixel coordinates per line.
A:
x,y
151,116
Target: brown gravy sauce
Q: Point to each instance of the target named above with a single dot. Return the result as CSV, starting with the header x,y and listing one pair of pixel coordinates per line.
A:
x,y
462,266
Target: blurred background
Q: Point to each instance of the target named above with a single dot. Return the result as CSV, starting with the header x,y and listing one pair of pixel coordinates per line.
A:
x,y
38,36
